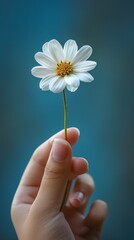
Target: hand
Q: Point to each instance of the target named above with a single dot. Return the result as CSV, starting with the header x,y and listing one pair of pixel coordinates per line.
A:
x,y
37,203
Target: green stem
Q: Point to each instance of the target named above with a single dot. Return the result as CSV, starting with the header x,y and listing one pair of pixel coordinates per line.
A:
x,y
65,129
65,113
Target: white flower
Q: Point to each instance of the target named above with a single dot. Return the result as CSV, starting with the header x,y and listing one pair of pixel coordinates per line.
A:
x,y
63,67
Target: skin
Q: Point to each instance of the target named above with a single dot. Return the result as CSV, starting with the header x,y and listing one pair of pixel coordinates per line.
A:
x,y
38,211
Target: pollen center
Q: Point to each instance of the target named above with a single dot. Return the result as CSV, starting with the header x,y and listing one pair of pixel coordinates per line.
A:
x,y
64,68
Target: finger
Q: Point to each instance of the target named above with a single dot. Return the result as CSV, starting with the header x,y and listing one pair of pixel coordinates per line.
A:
x,y
50,196
95,219
83,189
35,169
79,166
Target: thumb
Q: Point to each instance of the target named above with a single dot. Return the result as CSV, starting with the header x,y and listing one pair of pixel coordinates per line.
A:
x,y
55,178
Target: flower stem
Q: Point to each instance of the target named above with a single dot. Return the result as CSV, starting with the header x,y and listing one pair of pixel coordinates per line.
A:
x,y
65,129
65,113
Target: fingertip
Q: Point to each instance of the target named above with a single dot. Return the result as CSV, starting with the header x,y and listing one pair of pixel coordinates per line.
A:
x,y
77,199
98,211
73,134
75,130
79,166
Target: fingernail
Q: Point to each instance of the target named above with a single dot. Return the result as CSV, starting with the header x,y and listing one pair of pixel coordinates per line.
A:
x,y
86,162
59,149
78,196
78,131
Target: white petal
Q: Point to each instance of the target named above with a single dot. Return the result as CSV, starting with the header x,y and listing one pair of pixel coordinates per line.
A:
x,y
44,60
85,77
45,49
70,50
72,80
56,51
44,83
84,66
41,71
71,88
57,84
83,54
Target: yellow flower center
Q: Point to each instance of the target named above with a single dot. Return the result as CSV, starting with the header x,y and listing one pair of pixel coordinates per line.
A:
x,y
64,68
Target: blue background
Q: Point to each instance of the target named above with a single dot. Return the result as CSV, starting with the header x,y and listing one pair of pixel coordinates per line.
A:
x,y
102,110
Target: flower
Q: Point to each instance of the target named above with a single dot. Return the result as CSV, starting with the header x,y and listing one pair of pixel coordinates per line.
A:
x,y
63,66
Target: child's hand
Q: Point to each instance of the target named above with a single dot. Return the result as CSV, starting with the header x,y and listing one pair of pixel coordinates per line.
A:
x,y
36,206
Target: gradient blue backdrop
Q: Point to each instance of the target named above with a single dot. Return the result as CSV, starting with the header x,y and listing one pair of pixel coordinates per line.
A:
x,y
102,110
